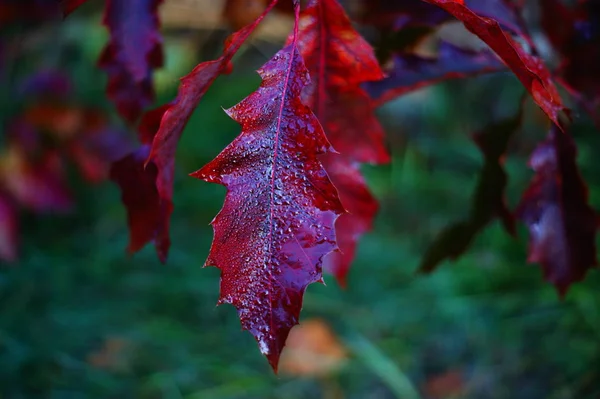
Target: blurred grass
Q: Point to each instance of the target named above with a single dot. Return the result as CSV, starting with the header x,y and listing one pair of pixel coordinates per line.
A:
x,y
75,294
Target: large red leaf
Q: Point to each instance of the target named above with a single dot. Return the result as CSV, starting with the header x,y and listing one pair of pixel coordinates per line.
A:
x,y
175,115
562,225
277,222
134,50
148,214
529,69
339,60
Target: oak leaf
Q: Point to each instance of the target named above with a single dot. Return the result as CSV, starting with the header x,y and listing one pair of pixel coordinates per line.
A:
x,y
277,221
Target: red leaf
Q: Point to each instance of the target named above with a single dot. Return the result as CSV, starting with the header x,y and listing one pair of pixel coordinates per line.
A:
x,y
277,221
348,118
9,235
339,60
133,51
148,214
411,72
175,115
68,6
562,225
529,69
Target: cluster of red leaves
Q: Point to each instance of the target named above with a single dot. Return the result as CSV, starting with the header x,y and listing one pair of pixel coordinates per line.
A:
x,y
49,133
295,167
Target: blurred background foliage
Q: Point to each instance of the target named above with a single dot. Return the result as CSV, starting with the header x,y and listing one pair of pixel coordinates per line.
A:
x,y
81,319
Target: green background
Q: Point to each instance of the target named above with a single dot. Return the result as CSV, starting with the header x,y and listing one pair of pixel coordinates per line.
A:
x,y
488,316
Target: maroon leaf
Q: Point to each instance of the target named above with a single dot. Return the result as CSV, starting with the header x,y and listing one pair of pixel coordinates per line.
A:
x,y
148,214
9,235
562,225
529,69
339,60
411,72
134,50
488,200
277,221
175,115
